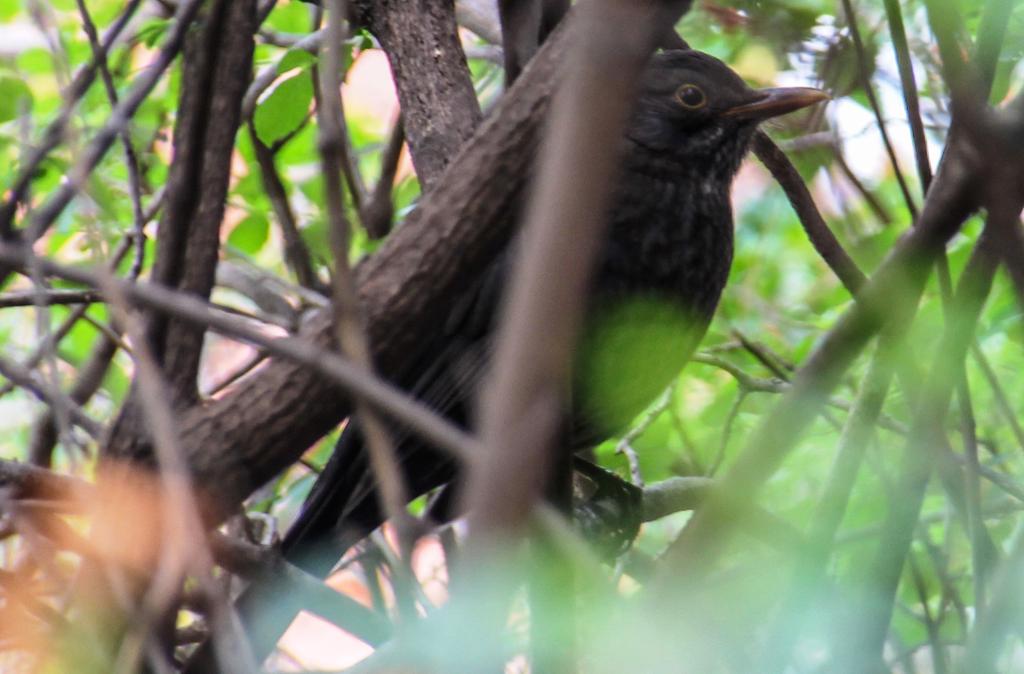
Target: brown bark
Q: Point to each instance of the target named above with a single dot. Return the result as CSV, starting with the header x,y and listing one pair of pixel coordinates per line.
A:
x,y
217,70
218,65
238,442
439,105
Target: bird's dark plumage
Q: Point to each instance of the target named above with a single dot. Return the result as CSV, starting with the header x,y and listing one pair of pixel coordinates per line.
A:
x,y
656,286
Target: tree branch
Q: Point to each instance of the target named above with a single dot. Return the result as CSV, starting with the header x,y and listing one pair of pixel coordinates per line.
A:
x,y
438,102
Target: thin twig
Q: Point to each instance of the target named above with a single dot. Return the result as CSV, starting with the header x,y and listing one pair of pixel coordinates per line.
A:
x,y
931,625
385,397
62,331
986,640
863,644
49,297
625,444
869,91
118,120
295,251
1002,402
809,571
183,546
869,197
54,133
378,209
347,313
52,396
909,87
730,419
131,159
822,238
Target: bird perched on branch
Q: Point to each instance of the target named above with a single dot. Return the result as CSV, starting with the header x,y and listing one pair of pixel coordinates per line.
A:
x,y
657,282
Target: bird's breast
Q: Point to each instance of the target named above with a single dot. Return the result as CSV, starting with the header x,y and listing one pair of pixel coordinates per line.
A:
x,y
670,235
661,273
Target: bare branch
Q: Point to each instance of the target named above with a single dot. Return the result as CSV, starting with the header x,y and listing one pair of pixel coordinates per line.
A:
x,y
347,312
54,397
323,361
818,232
438,102
909,86
869,91
49,298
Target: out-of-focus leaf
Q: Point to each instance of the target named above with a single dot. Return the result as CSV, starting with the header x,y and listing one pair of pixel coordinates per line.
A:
x,y
291,17
284,109
250,234
15,98
756,63
316,238
295,58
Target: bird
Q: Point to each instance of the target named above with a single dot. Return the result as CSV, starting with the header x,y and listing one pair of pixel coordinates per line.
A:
x,y
659,277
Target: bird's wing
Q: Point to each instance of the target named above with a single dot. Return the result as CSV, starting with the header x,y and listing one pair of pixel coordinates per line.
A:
x,y
342,506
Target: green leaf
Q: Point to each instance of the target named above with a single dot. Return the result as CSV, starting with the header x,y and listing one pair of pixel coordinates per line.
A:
x,y
284,109
15,98
152,31
289,17
363,39
250,234
295,58
9,11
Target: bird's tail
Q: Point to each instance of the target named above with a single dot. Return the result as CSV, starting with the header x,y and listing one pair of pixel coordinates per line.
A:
x,y
342,508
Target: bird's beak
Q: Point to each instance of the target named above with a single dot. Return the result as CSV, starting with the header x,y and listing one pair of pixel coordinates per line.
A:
x,y
778,101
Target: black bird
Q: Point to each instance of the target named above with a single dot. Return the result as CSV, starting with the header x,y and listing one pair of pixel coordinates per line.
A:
x,y
657,283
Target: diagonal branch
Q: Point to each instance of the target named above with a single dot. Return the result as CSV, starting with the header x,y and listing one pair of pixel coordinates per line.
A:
x,y
868,636
217,69
439,105
890,296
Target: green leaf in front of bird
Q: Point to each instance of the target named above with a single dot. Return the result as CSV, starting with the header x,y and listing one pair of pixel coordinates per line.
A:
x,y
284,109
630,352
15,98
250,235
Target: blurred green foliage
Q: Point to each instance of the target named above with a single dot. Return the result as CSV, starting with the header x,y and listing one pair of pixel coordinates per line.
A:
x,y
781,296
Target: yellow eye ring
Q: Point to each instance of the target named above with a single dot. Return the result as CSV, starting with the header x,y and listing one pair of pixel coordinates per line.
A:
x,y
691,97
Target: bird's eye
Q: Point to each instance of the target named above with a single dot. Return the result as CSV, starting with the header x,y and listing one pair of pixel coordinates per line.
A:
x,y
691,96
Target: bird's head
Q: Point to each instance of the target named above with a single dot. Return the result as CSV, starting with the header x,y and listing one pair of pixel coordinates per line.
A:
x,y
693,106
